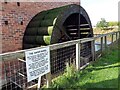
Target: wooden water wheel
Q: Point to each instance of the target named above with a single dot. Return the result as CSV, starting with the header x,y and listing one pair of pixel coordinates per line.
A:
x,y
57,25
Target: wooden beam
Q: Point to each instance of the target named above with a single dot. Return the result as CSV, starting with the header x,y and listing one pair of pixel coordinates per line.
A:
x,y
105,40
77,56
93,50
116,35
21,60
84,66
20,53
112,38
48,78
101,45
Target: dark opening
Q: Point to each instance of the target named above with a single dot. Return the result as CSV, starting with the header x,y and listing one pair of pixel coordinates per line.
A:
x,y
6,22
72,20
21,23
83,20
18,3
72,24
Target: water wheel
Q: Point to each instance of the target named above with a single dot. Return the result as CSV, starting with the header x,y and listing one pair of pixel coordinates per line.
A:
x,y
57,25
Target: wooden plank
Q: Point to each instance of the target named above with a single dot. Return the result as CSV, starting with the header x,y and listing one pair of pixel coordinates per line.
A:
x,y
12,55
33,86
69,43
119,34
98,36
84,25
48,78
84,66
87,40
105,40
77,56
78,25
21,60
85,28
101,45
112,38
93,50
39,83
62,45
116,35
103,35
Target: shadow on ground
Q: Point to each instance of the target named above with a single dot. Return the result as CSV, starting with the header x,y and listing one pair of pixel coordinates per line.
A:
x,y
94,68
107,84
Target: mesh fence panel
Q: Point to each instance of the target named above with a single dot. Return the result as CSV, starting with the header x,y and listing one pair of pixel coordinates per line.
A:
x,y
59,58
14,75
13,72
85,53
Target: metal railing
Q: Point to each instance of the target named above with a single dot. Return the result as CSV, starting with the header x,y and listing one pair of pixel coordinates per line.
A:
x,y
80,52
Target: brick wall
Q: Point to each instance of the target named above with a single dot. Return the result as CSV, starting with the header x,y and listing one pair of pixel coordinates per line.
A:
x,y
16,16
0,29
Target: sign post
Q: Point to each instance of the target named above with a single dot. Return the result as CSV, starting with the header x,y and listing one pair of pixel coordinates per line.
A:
x,y
39,83
37,63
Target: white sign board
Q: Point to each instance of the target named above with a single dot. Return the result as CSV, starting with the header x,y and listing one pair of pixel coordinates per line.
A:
x,y
37,63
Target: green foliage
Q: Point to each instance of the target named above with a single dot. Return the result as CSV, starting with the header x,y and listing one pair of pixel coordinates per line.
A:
x,y
103,73
111,23
102,24
67,79
119,25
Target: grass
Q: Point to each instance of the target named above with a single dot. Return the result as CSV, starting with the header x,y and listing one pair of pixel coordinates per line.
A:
x,y
103,73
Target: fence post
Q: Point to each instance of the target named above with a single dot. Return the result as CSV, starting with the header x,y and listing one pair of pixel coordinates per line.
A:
x,y
116,36
39,83
78,56
105,41
93,50
48,78
101,44
119,33
112,39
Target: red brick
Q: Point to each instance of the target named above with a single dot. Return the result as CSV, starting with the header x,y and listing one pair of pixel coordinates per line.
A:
x,y
12,39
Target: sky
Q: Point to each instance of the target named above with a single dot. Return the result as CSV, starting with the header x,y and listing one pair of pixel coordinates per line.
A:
x,y
98,9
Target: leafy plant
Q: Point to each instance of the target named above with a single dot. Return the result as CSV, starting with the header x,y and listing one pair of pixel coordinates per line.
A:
x,y
102,24
103,73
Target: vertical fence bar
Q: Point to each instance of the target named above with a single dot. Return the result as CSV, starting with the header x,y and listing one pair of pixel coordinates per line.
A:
x,y
93,50
48,78
105,41
112,39
77,56
39,83
116,36
119,34
101,44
